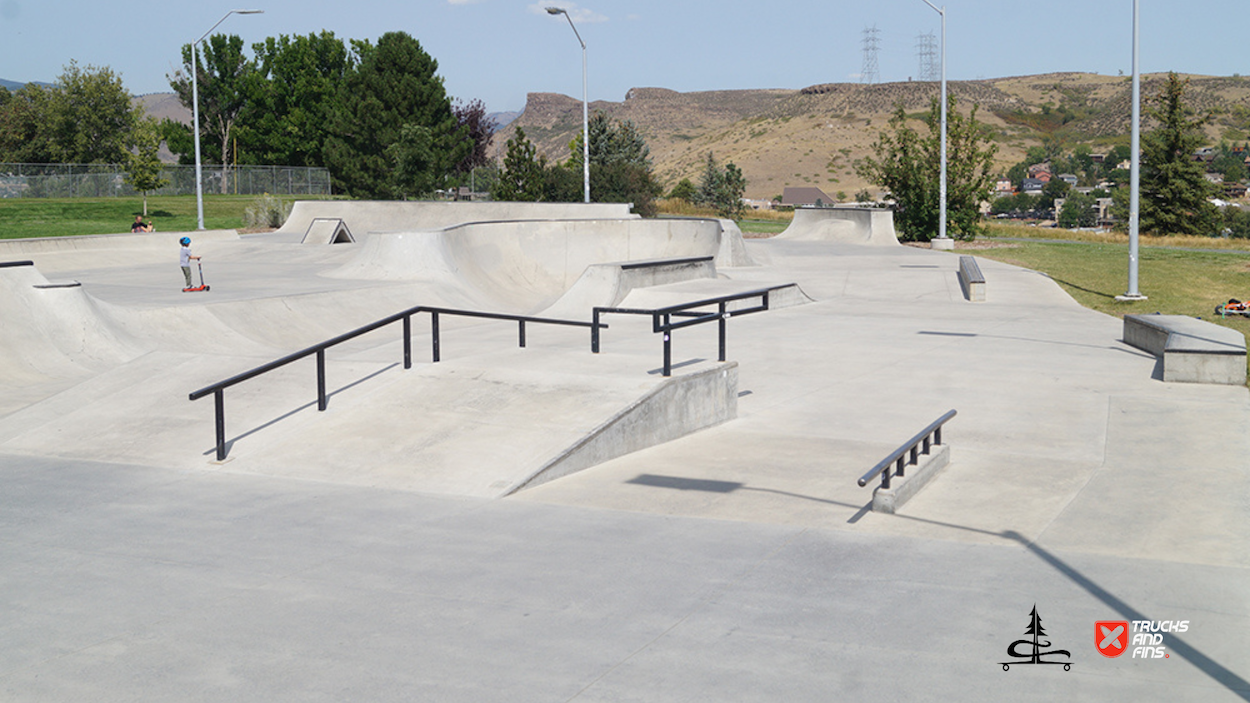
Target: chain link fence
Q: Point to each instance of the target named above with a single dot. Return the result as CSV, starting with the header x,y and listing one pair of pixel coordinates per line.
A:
x,y
109,180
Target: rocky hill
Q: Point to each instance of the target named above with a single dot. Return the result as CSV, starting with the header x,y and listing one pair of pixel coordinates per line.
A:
x,y
811,137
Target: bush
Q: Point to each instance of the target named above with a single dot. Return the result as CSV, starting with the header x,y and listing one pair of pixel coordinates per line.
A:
x,y
1237,222
266,211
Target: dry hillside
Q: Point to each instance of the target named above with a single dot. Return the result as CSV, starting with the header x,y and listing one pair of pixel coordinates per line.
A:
x,y
811,137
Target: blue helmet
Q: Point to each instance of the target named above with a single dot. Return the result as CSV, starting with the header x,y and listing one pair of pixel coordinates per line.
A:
x,y
184,241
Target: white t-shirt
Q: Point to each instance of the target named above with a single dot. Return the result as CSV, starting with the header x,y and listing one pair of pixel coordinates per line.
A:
x,y
184,256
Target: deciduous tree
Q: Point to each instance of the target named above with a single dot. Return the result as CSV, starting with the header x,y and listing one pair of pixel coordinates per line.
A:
x,y
90,116
297,86
143,166
906,164
223,81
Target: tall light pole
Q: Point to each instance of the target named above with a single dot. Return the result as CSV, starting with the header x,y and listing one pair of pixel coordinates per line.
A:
x,y
195,114
943,242
585,106
1134,178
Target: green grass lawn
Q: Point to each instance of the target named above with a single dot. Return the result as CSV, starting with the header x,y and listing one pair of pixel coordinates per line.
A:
x,y
1175,281
56,217
763,226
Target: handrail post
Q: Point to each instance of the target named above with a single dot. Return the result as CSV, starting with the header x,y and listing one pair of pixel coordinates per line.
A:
x,y
521,332
407,341
219,400
668,346
594,331
722,323
434,330
321,380
937,435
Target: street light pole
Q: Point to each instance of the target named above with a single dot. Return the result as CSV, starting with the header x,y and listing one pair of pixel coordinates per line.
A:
x,y
943,242
1134,178
585,106
195,114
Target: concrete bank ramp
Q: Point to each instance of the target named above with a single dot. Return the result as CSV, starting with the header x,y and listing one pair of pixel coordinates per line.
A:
x,y
55,329
364,216
526,266
483,427
850,225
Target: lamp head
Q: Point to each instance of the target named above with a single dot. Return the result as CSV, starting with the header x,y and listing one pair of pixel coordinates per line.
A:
x,y
249,12
556,11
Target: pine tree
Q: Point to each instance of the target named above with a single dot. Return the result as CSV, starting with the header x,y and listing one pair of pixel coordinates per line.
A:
x,y
522,179
1175,194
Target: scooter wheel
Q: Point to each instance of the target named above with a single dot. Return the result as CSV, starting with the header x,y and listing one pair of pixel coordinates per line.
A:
x,y
208,288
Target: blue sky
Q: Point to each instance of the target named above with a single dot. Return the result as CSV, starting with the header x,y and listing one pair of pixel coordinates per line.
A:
x,y
499,50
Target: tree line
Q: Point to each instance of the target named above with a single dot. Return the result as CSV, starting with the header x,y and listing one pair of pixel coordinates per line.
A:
x,y
376,116
1175,195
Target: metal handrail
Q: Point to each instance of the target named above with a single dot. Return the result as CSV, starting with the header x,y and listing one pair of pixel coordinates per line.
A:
x,y
14,264
662,318
218,389
910,447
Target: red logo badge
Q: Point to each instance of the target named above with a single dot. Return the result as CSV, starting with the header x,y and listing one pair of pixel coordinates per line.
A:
x,y
1111,637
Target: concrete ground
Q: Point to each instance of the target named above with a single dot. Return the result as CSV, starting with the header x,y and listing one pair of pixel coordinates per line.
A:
x,y
360,554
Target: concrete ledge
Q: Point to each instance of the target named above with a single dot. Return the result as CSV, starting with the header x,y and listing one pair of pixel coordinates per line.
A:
x,y
889,500
675,408
971,280
1192,350
81,242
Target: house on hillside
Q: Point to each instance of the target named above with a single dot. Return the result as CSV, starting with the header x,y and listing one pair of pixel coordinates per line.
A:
x,y
1003,187
1032,186
798,197
1069,178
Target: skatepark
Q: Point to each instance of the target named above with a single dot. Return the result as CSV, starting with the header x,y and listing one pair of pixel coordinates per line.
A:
x,y
527,519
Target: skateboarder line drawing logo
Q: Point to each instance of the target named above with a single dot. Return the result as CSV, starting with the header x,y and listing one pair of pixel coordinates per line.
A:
x,y
1037,645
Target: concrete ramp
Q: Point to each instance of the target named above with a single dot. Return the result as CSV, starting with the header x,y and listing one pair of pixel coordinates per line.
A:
x,y
606,285
868,226
54,329
364,216
526,266
328,230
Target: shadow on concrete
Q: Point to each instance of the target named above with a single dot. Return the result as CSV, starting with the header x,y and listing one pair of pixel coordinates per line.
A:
x,y
330,394
680,364
1216,671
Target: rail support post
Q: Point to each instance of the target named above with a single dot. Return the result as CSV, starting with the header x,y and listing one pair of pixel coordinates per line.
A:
x,y
594,331
321,380
434,330
407,341
219,400
521,332
722,323
668,346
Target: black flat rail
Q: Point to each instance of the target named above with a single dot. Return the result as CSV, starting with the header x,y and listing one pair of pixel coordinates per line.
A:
x,y
908,453
662,318
217,390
